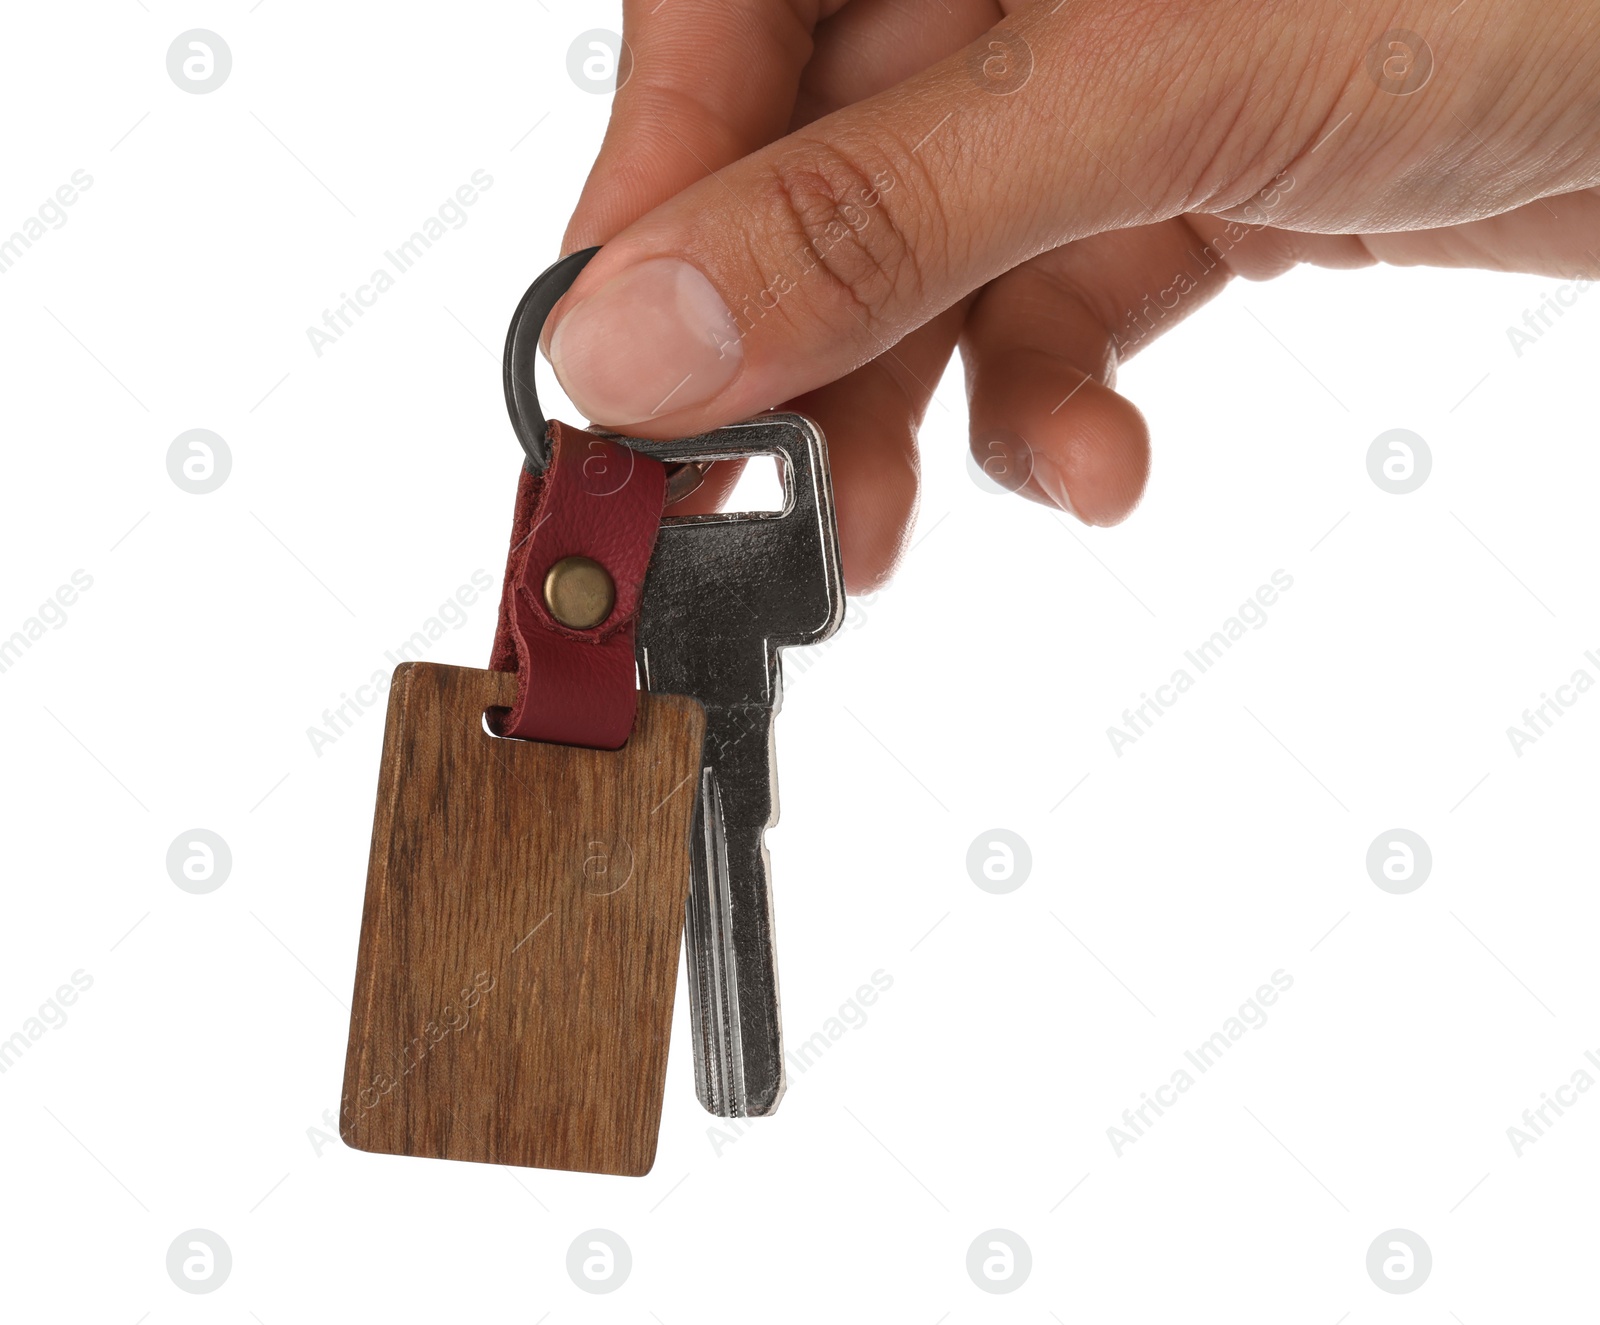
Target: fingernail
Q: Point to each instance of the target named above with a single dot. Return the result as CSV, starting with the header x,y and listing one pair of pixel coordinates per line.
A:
x,y
653,339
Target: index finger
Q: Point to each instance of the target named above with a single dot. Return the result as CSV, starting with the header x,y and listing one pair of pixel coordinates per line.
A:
x,y
711,81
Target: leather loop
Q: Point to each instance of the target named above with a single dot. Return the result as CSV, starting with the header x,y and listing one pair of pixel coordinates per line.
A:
x,y
601,500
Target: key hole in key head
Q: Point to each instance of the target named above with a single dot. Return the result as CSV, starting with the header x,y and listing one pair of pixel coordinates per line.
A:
x,y
764,488
761,489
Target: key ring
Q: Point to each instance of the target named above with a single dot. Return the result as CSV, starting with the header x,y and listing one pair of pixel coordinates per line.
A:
x,y
522,357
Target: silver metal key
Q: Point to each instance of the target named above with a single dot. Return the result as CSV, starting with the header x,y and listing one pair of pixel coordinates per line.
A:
x,y
723,595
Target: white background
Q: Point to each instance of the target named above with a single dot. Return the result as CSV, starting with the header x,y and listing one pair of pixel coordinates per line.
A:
x,y
188,1087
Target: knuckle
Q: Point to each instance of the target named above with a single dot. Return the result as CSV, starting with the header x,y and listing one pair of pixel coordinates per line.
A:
x,y
843,218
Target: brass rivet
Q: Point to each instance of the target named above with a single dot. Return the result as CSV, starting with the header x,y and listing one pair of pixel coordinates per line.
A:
x,y
579,592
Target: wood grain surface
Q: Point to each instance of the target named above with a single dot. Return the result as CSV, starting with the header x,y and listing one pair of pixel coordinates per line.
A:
x,y
519,946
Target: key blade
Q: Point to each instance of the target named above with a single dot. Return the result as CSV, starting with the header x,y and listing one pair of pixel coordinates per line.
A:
x,y
734,1000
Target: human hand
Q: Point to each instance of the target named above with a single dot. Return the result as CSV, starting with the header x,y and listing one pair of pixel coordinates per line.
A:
x,y
1053,192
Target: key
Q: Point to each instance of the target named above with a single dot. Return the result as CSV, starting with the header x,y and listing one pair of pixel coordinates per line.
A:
x,y
723,595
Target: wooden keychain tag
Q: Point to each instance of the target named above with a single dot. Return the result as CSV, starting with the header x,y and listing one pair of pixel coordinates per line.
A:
x,y
519,945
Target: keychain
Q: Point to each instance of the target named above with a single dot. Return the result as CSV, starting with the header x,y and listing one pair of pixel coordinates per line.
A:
x,y
544,827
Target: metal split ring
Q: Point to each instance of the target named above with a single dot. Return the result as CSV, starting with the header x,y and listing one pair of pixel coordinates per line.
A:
x,y
521,359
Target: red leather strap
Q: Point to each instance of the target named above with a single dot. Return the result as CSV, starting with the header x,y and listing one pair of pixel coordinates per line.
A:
x,y
601,500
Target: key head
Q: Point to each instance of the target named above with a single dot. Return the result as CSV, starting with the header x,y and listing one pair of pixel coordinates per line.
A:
x,y
725,592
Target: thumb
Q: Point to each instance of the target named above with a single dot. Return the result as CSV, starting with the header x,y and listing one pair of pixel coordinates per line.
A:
x,y
799,263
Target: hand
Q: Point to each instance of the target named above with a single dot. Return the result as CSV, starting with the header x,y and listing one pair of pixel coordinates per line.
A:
x,y
1052,192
